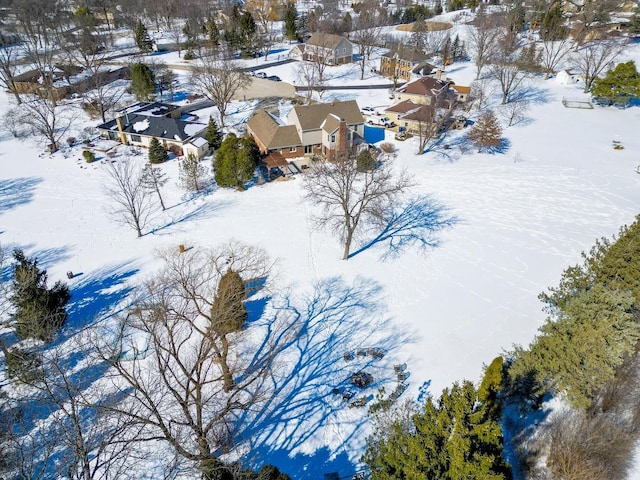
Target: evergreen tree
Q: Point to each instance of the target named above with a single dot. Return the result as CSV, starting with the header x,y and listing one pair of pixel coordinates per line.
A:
x,y
529,58
228,312
39,311
486,133
213,135
212,31
142,81
438,9
235,161
365,161
621,84
193,175
143,42
248,34
290,21
419,34
634,24
154,179
455,48
157,152
454,437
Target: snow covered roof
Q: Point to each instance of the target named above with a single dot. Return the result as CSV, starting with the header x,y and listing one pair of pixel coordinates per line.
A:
x,y
198,142
152,126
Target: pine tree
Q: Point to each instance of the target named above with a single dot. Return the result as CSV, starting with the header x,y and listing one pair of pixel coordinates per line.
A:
x,y
248,30
290,22
193,175
438,9
452,438
365,161
455,48
486,133
213,135
228,312
212,31
157,152
235,161
621,84
154,179
143,42
39,311
142,81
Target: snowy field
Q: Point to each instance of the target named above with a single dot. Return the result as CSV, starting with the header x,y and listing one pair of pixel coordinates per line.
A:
x,y
522,216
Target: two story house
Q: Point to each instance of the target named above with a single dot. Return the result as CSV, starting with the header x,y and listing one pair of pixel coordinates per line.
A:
x,y
329,129
401,62
328,48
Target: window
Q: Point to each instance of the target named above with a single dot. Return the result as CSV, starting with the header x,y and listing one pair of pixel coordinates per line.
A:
x,y
344,50
333,138
136,138
293,149
113,136
308,149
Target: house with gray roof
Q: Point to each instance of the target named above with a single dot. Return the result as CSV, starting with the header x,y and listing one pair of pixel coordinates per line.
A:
x,y
328,48
138,123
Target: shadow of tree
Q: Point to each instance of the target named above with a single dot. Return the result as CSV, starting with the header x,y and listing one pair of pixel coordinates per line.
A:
x,y
336,318
414,224
199,212
98,293
17,191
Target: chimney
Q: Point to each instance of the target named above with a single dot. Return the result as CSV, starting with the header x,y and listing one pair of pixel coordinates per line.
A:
x,y
438,74
342,137
121,134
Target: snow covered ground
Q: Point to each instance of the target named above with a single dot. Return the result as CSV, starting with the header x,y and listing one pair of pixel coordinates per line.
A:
x,y
522,217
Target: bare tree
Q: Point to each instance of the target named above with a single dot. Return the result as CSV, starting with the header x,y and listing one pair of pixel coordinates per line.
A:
x,y
307,76
505,66
352,198
153,178
219,81
201,369
193,175
366,35
8,63
594,57
552,53
483,38
514,111
481,93
430,121
131,200
266,14
45,117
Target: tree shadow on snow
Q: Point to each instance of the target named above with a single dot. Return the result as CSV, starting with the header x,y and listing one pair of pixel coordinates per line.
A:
x,y
416,223
199,212
313,334
17,191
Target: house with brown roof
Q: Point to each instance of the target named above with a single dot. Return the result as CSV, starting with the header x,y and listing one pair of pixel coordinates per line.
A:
x,y
423,90
400,62
329,129
328,48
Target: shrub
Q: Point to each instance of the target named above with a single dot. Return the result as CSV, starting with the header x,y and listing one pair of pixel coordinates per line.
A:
x,y
89,156
24,366
189,55
157,152
176,150
387,147
71,141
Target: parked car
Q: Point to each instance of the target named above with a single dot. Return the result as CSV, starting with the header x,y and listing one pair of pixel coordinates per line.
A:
x,y
261,75
368,111
275,78
380,120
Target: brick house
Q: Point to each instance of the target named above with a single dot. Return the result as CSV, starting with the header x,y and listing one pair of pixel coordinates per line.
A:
x,y
329,129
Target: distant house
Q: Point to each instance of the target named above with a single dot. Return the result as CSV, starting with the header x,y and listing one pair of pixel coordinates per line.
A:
x,y
328,48
140,122
415,117
329,129
462,93
401,62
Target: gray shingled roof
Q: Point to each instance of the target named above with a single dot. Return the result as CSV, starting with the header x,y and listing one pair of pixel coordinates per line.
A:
x,y
325,40
159,127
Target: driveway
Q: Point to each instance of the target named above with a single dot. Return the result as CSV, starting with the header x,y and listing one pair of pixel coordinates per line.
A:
x,y
261,88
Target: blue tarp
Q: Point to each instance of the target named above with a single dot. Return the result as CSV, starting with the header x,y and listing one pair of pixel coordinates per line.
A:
x,y
373,134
